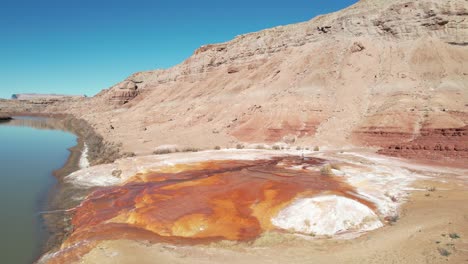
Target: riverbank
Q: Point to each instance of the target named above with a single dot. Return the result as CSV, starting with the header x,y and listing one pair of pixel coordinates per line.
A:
x,y
4,118
99,150
56,216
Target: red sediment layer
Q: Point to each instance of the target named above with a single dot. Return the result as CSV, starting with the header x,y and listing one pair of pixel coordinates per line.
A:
x,y
197,203
449,143
381,136
250,131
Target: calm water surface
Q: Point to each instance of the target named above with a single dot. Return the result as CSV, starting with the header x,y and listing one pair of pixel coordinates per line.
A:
x,y
28,156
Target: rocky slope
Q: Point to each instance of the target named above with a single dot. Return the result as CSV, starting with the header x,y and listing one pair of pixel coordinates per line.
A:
x,y
379,73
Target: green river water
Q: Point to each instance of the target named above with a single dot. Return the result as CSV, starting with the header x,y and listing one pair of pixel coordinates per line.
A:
x,y
28,156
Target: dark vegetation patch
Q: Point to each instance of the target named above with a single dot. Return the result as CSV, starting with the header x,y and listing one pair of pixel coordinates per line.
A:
x,y
99,150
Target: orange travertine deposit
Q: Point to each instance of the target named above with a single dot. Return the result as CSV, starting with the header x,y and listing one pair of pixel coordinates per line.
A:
x,y
199,203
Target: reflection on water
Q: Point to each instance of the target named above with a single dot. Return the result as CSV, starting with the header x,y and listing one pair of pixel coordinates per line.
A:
x,y
198,203
43,123
31,148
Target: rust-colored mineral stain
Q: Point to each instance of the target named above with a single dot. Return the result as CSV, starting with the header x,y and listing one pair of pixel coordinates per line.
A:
x,y
196,203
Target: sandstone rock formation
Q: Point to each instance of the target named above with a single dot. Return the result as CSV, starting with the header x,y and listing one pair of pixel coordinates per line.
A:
x,y
124,92
375,74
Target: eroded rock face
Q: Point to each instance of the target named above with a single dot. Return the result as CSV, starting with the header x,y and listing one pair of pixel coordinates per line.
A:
x,y
378,19
199,203
433,144
124,92
382,136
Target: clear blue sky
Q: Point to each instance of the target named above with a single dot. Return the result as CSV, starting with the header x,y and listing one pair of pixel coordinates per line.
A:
x,y
83,46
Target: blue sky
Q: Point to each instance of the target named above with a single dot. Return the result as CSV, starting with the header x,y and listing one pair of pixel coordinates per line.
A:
x,y
81,47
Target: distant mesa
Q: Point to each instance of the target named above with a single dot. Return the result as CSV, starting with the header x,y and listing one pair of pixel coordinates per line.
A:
x,y
33,96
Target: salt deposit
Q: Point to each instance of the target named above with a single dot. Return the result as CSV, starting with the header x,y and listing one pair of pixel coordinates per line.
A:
x,y
326,215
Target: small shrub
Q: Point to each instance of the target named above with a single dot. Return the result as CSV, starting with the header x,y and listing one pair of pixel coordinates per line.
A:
x,y
431,189
275,147
326,170
443,252
239,146
162,151
128,154
260,147
217,148
454,236
117,173
316,148
298,148
190,149
392,219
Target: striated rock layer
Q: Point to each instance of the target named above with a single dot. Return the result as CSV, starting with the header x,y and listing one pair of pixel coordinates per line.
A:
x,y
433,143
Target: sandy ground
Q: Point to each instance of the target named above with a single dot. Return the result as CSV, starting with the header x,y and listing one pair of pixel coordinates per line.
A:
x,y
436,209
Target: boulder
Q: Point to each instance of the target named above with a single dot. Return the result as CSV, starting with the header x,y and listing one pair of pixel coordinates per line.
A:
x,y
357,47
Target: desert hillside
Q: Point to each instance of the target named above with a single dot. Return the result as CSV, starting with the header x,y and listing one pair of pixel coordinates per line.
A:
x,y
390,74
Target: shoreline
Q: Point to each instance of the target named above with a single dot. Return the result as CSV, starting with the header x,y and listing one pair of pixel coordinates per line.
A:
x,y
48,198
99,151
5,118
59,202
57,221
